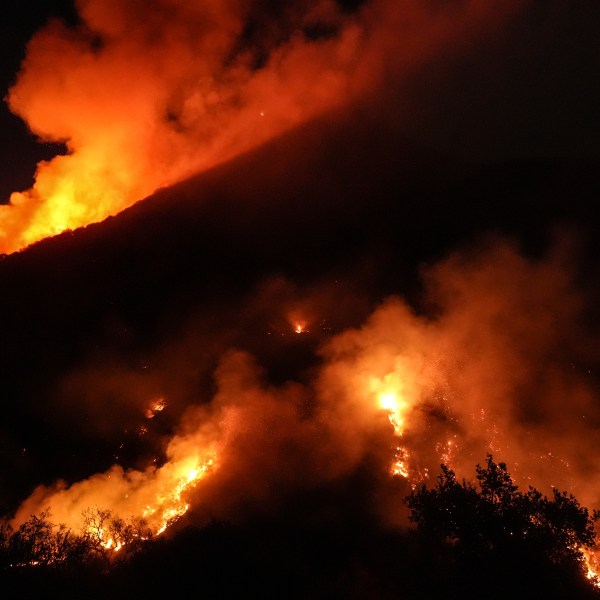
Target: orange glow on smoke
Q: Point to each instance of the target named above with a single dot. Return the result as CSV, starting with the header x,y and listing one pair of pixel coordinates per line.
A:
x,y
157,495
408,390
142,104
154,103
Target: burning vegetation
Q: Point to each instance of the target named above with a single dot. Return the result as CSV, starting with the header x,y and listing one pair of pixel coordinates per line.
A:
x,y
471,533
286,403
142,103
402,393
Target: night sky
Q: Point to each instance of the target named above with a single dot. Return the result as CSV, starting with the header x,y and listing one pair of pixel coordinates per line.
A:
x,y
355,200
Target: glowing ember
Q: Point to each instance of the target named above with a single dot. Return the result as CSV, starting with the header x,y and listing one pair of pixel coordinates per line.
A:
x,y
300,327
156,406
399,466
447,451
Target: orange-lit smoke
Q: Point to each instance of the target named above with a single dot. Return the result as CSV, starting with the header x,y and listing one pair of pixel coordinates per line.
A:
x,y
500,368
156,494
145,94
495,364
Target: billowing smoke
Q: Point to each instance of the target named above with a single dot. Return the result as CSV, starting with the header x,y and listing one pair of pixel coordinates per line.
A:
x,y
289,387
145,94
493,361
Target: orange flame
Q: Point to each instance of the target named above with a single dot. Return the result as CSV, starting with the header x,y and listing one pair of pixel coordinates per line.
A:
x,y
142,104
156,406
389,401
156,495
141,110
591,566
300,327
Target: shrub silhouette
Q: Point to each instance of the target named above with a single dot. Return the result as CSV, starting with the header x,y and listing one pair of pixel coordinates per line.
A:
x,y
495,532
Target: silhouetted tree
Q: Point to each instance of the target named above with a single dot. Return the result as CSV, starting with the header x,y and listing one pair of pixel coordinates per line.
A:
x,y
40,544
494,528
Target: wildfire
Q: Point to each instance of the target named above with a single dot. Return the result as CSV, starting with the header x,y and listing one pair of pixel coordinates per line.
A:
x,y
156,406
591,566
399,465
112,545
300,327
162,510
197,98
170,506
195,102
386,375
390,400
156,495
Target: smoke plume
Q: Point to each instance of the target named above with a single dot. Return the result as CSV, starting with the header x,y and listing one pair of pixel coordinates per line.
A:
x,y
144,95
277,390
494,361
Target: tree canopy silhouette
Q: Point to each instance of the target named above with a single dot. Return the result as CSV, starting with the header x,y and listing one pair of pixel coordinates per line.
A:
x,y
486,539
493,529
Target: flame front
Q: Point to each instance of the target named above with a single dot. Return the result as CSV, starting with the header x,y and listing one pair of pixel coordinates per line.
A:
x,y
170,505
491,370
591,566
144,103
158,496
391,401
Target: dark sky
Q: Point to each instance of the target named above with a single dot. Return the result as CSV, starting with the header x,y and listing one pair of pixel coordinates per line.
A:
x,y
533,92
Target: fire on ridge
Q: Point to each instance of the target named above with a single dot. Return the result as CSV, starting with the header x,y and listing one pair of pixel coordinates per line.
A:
x,y
144,103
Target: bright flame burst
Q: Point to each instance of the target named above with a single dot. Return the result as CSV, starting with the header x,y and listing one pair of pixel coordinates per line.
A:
x,y
153,498
169,505
591,566
390,399
112,545
300,327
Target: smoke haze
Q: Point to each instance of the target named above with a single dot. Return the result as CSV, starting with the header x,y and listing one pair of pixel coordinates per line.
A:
x,y
144,96
496,364
321,298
